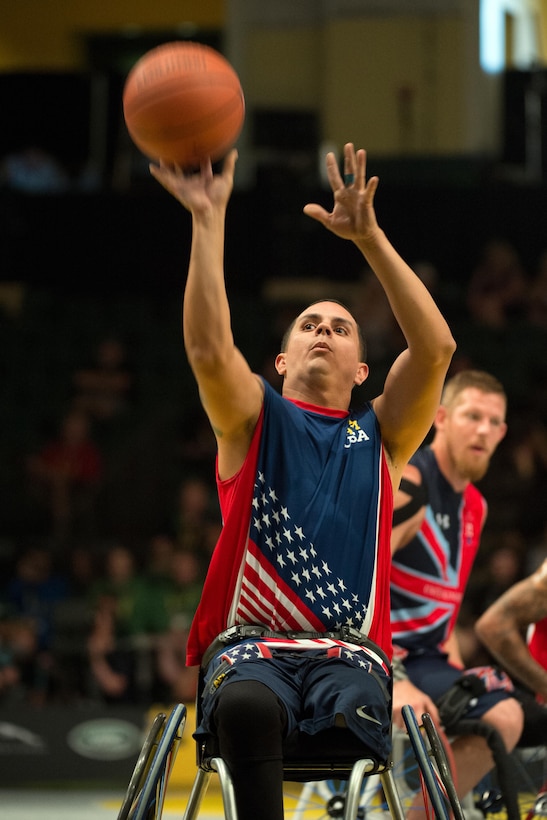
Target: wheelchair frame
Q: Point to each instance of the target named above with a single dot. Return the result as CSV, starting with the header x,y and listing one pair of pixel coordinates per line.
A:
x,y
145,795
147,787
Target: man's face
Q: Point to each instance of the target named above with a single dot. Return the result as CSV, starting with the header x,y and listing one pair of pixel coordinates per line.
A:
x,y
472,429
323,341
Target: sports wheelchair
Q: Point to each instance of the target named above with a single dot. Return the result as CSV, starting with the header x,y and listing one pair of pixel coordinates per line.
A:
x,y
333,755
516,788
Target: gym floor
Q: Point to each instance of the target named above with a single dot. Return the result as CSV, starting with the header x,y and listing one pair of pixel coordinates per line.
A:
x,y
34,804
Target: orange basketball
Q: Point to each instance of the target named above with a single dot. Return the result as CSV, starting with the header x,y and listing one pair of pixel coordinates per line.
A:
x,y
183,102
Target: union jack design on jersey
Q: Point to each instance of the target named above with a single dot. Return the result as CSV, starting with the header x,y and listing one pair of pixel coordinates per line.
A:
x,y
429,574
303,549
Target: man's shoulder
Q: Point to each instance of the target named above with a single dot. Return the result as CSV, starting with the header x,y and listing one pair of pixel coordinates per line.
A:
x,y
414,477
422,462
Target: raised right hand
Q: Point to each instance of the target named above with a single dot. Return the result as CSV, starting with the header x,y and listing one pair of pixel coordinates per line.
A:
x,y
203,192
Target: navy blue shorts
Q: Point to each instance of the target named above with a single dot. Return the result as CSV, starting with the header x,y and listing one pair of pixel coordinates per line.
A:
x,y
314,689
434,675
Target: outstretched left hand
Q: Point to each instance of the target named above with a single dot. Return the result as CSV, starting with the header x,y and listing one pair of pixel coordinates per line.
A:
x,y
353,216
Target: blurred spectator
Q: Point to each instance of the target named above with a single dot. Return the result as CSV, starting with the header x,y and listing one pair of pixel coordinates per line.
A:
x,y
104,388
429,275
32,596
81,569
159,558
537,550
197,444
17,649
128,615
65,479
537,297
33,171
194,504
502,568
372,311
528,471
497,290
180,599
73,618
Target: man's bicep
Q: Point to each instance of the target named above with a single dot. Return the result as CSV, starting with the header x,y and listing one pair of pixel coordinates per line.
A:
x,y
231,397
407,407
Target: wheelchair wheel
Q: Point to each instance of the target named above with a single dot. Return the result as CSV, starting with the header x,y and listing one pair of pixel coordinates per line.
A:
x,y
325,799
321,800
414,762
439,755
530,766
529,772
539,809
145,795
432,778
142,765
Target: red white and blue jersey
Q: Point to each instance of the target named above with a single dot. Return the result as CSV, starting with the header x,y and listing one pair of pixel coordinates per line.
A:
x,y
305,543
429,575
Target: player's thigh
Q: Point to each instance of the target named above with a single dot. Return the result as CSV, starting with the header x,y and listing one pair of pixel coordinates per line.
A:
x,y
359,699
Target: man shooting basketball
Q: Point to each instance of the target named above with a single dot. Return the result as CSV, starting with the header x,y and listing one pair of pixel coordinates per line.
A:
x,y
293,629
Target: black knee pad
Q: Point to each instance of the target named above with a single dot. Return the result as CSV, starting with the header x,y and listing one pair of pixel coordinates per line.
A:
x,y
250,716
248,707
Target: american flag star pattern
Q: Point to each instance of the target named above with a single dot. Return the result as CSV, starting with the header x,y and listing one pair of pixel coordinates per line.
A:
x,y
306,548
285,584
265,648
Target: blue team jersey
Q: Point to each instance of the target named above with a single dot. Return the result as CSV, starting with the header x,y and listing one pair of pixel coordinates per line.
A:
x,y
305,548
429,574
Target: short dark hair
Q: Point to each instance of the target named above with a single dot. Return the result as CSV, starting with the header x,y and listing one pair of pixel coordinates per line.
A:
x,y
360,334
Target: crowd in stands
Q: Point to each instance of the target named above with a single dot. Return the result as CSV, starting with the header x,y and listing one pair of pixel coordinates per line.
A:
x,y
111,515
33,170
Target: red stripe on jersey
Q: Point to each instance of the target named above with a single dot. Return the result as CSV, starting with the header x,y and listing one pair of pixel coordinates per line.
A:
x,y
418,624
283,607
429,536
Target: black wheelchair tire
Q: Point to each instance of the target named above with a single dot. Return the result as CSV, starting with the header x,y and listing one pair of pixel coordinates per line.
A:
x,y
142,765
424,762
143,804
441,760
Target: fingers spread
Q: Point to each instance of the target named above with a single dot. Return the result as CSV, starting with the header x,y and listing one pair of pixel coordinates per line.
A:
x,y
206,168
360,174
349,164
316,212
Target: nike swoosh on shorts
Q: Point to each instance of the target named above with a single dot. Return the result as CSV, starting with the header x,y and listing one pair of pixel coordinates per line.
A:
x,y
362,714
